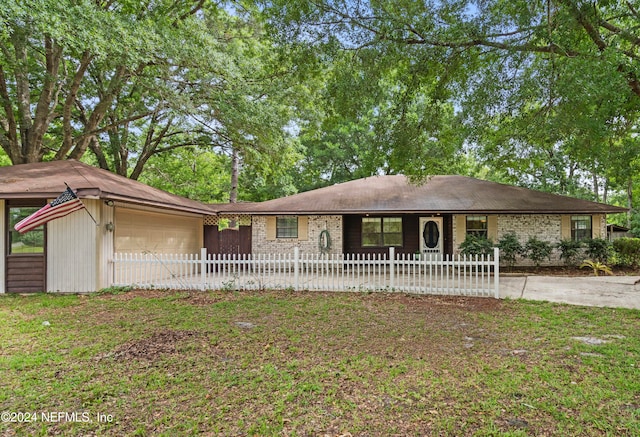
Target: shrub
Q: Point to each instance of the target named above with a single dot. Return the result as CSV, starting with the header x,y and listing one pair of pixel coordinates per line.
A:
x,y
570,251
476,245
598,249
510,248
628,251
596,266
537,250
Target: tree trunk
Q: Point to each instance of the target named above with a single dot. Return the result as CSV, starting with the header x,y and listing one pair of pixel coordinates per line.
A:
x,y
235,166
233,193
596,185
629,201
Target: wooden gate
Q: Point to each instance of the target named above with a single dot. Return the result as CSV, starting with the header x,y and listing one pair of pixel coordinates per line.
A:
x,y
230,241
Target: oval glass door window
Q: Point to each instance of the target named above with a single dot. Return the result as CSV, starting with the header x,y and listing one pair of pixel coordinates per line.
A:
x,y
431,234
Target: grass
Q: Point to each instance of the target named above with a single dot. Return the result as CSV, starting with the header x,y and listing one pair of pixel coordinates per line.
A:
x,y
285,363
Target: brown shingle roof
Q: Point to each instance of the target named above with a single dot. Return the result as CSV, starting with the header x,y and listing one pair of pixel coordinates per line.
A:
x,y
47,180
439,194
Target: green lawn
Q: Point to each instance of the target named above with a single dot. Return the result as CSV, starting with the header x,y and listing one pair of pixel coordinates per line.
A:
x,y
284,363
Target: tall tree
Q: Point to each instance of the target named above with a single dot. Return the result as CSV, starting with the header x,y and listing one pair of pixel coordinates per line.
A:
x,y
541,84
66,65
128,81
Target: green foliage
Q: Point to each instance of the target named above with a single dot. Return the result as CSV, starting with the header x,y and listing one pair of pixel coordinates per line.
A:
x,y
33,238
598,249
371,120
551,103
115,290
475,245
191,173
537,250
635,224
628,251
597,267
124,84
570,251
510,247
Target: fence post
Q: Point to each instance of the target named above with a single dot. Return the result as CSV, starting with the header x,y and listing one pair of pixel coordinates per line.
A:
x,y
496,271
296,267
392,261
203,268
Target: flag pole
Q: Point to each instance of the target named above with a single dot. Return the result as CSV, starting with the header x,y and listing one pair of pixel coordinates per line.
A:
x,y
84,207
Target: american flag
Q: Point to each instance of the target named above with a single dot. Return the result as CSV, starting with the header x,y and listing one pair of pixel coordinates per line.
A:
x,y
65,204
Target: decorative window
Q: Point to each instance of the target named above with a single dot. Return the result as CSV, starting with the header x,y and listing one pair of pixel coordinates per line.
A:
x,y
29,242
477,225
287,227
381,231
581,228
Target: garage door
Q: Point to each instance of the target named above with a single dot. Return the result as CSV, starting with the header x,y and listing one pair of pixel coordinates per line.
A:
x,y
143,231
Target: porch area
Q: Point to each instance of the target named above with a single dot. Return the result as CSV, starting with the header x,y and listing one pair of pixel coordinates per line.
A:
x,y
391,272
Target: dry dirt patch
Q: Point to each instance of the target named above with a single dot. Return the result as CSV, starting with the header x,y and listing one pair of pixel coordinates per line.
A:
x,y
162,343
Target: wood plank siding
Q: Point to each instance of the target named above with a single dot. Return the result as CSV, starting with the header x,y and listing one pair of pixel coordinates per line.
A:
x,y
410,235
25,273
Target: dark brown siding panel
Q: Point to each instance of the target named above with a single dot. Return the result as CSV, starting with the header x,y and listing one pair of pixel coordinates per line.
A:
x,y
211,239
245,240
352,231
410,235
25,273
447,224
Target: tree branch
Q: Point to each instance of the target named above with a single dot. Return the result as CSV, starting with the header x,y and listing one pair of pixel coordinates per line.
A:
x,y
53,56
10,138
67,129
99,113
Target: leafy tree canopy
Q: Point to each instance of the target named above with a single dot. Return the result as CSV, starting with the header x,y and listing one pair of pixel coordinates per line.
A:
x,y
128,81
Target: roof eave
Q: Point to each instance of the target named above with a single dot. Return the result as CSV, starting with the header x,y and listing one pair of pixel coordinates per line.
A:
x,y
150,203
613,210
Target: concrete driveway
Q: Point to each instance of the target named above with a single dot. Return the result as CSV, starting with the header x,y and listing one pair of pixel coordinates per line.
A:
x,y
600,291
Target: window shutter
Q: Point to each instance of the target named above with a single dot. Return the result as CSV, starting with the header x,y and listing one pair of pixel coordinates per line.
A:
x,y
565,227
303,228
461,229
492,227
271,228
596,225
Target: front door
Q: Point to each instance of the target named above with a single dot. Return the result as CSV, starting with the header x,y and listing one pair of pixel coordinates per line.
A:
x,y
431,235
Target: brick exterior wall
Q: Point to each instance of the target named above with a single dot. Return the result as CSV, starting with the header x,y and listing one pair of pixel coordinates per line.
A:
x,y
547,227
316,224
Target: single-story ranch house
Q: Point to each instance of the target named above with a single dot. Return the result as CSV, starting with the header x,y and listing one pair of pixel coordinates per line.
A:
x,y
370,215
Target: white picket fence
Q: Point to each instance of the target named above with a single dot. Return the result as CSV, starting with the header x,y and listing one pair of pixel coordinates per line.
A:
x,y
424,274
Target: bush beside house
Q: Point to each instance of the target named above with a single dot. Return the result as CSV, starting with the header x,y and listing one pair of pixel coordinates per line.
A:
x,y
623,252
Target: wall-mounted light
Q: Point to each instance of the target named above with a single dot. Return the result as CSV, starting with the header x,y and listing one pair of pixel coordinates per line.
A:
x,y
108,202
109,227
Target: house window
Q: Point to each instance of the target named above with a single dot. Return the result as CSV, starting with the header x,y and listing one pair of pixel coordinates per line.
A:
x,y
29,242
477,225
287,227
581,227
381,231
